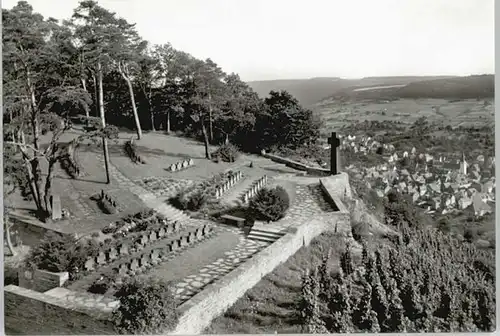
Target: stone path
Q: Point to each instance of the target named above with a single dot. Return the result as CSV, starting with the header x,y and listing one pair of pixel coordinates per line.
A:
x,y
84,300
149,199
163,186
194,283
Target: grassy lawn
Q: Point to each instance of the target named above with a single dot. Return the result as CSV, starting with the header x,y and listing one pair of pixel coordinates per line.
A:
x,y
195,258
271,305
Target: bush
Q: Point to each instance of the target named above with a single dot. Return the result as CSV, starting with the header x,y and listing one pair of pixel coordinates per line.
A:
x,y
360,230
61,253
101,285
227,152
270,204
192,201
146,307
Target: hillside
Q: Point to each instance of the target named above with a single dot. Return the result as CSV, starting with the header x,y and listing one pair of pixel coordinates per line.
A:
x,y
470,87
311,91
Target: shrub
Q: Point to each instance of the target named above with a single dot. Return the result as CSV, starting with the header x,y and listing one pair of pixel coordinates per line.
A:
x,y
360,230
189,201
270,204
227,152
146,307
101,285
61,253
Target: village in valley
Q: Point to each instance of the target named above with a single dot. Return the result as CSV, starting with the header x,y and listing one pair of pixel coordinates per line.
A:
x,y
438,184
150,191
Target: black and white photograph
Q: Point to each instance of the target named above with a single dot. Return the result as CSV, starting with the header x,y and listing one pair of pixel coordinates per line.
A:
x,y
188,167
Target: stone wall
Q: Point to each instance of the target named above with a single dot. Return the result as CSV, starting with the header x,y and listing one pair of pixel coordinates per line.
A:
x,y
296,165
32,313
198,312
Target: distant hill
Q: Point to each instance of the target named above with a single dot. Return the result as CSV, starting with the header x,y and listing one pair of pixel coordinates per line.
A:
x,y
313,90
470,87
307,91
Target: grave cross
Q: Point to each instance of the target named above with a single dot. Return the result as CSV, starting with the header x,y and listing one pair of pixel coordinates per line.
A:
x,y
334,154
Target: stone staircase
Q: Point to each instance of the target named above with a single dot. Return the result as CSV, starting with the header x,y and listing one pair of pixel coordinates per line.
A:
x,y
266,233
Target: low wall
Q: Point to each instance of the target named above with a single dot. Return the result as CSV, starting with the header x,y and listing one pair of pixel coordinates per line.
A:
x,y
32,313
199,311
296,165
41,281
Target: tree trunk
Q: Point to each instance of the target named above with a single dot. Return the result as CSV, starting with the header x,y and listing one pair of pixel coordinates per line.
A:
x,y
96,94
87,112
205,137
132,100
168,122
210,118
103,119
8,239
48,186
134,108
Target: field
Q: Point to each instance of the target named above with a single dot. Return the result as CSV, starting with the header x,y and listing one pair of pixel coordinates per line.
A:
x,y
444,112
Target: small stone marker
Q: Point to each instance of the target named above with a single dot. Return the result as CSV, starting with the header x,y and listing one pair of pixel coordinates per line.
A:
x,y
134,265
173,167
144,260
101,258
155,255
180,242
245,198
178,165
122,270
152,236
199,233
123,249
191,162
56,207
169,247
169,228
161,232
112,254
185,164
205,229
143,240
89,264
176,226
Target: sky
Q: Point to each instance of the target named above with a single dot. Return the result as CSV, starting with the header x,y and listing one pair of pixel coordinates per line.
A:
x,y
291,39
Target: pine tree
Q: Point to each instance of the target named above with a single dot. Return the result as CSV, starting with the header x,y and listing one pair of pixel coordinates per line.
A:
x,y
346,261
379,304
361,317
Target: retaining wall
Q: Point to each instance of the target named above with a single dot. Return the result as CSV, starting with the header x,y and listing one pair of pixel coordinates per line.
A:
x,y
296,165
32,313
41,281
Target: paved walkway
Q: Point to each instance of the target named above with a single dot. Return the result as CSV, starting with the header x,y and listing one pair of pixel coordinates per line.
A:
x,y
194,283
84,300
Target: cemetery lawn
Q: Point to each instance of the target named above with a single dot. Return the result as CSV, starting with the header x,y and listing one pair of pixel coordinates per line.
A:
x,y
190,261
271,305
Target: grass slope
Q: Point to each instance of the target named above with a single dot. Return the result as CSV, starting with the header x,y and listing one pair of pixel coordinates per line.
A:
x,y
271,305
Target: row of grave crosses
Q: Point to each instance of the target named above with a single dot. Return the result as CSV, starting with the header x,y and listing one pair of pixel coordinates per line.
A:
x,y
181,165
233,179
123,249
254,188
